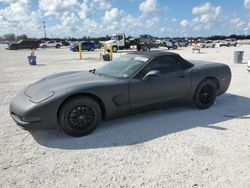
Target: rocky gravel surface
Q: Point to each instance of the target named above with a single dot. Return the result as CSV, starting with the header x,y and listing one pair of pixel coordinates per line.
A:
x,y
173,147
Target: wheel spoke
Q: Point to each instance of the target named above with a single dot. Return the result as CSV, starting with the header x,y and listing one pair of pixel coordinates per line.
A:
x,y
80,117
206,95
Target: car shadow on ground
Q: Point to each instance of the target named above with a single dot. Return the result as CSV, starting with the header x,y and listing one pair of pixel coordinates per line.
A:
x,y
151,125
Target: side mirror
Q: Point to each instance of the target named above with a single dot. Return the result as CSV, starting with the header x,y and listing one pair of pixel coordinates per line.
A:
x,y
152,74
92,70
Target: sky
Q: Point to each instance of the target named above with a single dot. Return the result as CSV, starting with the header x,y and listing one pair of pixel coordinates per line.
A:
x,y
163,18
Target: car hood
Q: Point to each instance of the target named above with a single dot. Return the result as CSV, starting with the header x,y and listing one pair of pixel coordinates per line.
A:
x,y
13,43
49,86
110,42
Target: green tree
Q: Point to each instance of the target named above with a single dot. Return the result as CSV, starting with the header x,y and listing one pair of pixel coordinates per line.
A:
x,y
9,37
22,37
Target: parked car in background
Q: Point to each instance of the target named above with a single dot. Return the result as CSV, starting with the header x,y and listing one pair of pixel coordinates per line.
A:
x,y
182,43
207,44
89,46
243,42
248,66
97,44
170,44
65,43
146,39
50,44
229,42
158,41
23,44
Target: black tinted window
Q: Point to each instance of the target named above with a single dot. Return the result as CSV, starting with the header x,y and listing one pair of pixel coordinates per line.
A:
x,y
164,64
86,43
24,42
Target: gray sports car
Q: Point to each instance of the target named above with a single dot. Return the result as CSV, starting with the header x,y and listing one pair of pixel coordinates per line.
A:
x,y
78,101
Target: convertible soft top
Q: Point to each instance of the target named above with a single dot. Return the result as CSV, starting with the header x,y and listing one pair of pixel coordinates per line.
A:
x,y
152,54
158,53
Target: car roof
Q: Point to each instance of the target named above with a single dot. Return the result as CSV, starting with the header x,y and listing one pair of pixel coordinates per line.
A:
x,y
153,54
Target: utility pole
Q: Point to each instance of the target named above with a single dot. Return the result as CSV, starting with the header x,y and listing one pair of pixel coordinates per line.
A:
x,y
44,28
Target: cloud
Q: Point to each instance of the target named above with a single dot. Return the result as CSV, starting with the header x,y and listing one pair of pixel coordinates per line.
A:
x,y
163,29
111,15
204,9
148,6
184,23
54,7
84,11
173,19
206,13
104,4
20,8
247,4
152,22
206,17
237,22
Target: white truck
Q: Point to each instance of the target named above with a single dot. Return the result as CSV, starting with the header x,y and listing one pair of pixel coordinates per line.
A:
x,y
119,42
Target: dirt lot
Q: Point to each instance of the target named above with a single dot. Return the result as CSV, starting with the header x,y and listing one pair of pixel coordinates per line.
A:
x,y
176,147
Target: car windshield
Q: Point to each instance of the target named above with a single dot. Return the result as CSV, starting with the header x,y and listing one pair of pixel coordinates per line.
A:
x,y
123,67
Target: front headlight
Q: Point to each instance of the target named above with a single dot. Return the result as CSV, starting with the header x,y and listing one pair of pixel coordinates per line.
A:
x,y
41,97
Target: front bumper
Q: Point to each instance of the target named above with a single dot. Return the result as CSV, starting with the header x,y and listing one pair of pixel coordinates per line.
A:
x,y
20,122
28,114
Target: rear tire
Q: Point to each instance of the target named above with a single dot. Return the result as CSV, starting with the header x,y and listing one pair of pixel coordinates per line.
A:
x,y
205,94
80,116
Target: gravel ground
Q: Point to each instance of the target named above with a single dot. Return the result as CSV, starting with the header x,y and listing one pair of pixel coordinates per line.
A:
x,y
174,147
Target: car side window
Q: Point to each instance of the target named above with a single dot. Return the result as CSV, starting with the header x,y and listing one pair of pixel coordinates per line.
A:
x,y
164,64
24,42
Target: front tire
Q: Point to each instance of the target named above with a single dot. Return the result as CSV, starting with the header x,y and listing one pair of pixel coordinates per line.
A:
x,y
205,94
79,116
115,49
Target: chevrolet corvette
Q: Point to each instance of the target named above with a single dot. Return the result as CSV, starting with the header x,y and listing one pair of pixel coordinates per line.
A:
x,y
78,101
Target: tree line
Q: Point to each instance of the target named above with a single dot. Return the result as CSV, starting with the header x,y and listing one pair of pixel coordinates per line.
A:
x,y
13,37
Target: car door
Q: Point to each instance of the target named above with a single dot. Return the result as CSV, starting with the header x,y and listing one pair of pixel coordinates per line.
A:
x,y
24,45
121,40
85,46
173,83
51,43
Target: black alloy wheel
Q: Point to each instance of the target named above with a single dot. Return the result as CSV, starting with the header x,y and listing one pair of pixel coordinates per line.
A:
x,y
80,116
205,94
